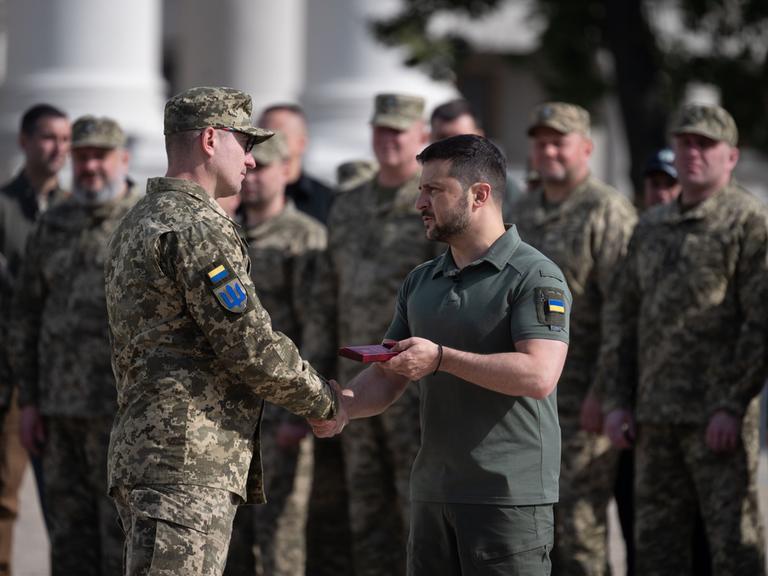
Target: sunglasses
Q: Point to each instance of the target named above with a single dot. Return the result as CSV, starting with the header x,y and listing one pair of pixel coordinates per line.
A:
x,y
249,143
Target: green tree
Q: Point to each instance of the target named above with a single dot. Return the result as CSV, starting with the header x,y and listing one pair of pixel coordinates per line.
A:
x,y
649,72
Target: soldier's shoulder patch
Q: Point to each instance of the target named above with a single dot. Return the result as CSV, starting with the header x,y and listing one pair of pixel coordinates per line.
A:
x,y
550,307
227,287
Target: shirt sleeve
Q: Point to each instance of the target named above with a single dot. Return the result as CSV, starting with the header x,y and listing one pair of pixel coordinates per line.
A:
x,y
212,274
26,319
540,305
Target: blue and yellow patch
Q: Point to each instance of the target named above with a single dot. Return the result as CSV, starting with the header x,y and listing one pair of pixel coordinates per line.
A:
x,y
555,305
218,274
227,288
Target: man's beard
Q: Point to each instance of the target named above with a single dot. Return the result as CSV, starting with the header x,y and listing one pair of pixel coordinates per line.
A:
x,y
457,221
106,193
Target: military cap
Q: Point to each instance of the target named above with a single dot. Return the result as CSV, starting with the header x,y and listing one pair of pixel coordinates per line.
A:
x,y
215,106
560,116
661,161
97,132
270,151
351,174
706,120
398,111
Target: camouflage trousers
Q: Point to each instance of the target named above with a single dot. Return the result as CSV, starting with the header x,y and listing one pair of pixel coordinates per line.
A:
x,y
269,539
676,474
83,530
175,530
587,475
378,456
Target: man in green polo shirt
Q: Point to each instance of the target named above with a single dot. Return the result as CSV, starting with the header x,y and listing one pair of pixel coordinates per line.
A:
x,y
483,328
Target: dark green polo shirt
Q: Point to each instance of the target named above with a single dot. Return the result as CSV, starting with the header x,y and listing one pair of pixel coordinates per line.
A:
x,y
479,446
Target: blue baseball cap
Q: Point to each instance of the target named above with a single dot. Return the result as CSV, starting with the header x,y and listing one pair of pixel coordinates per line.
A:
x,y
661,161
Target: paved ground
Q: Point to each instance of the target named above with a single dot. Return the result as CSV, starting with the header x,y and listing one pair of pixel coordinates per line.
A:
x,y
31,551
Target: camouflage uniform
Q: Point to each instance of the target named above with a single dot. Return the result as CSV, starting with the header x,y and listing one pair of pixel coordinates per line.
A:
x,y
195,357
61,362
688,339
586,236
279,250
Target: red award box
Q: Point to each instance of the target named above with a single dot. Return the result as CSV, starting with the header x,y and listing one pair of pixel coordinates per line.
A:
x,y
370,353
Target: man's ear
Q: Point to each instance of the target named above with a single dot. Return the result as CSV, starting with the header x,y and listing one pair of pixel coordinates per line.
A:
x,y
209,140
481,193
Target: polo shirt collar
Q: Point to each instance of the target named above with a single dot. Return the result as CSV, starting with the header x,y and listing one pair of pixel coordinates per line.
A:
x,y
498,255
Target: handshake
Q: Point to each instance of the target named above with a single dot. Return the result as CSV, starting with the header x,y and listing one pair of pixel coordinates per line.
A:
x,y
334,426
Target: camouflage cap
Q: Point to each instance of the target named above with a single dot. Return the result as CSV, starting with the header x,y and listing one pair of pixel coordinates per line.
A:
x,y
215,106
97,132
560,116
398,111
270,151
351,174
706,120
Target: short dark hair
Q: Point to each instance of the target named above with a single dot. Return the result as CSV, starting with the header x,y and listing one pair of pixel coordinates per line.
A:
x,y
37,112
449,111
473,159
285,107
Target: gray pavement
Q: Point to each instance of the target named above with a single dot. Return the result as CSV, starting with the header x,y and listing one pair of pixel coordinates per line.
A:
x,y
30,555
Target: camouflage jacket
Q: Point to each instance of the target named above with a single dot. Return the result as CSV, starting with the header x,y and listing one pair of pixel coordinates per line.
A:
x,y
282,250
687,327
19,210
586,236
193,350
59,341
375,238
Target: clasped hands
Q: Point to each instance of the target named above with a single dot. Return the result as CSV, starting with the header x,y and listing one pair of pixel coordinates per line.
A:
x,y
417,358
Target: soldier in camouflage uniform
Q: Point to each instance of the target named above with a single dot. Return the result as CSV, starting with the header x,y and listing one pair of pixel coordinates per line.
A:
x,y
44,139
685,357
61,356
375,237
281,241
584,226
193,349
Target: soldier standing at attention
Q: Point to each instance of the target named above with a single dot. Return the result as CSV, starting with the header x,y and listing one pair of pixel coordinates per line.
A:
x,y
375,237
281,243
584,226
685,358
61,356
193,350
309,194
44,139
483,328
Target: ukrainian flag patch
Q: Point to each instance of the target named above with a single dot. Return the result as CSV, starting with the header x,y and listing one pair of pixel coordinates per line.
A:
x,y
218,274
555,305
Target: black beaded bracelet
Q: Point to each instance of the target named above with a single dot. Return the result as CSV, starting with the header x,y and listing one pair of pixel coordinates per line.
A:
x,y
439,358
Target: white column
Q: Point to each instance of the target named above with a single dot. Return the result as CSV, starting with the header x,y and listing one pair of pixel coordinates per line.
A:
x,y
87,57
253,45
346,67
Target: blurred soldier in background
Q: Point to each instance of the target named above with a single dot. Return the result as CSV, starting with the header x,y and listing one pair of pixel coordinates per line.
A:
x,y
282,242
44,140
660,184
61,355
375,237
308,194
685,357
457,117
583,225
